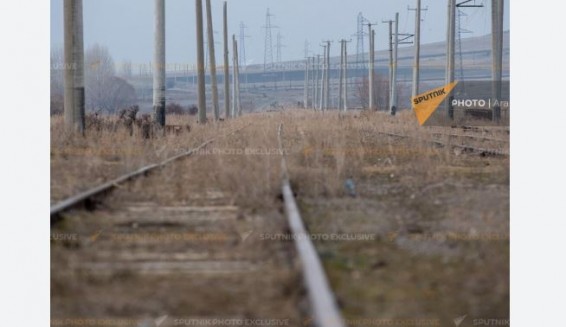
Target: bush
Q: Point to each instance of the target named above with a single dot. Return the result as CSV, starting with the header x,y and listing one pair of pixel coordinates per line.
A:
x,y
174,109
193,110
56,105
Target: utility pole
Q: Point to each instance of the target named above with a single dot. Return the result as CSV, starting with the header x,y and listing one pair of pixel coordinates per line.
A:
x,y
497,8
322,82
317,83
371,34
341,83
416,65
226,65
327,79
200,63
342,103
344,73
450,52
212,59
74,101
393,107
234,79
313,82
306,95
451,46
237,108
390,79
159,65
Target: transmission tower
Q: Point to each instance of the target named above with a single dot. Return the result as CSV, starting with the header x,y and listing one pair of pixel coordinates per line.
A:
x,y
361,34
242,52
279,46
268,49
307,44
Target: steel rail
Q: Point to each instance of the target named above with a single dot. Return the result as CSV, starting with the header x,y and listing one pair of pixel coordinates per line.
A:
x,y
465,148
85,196
323,304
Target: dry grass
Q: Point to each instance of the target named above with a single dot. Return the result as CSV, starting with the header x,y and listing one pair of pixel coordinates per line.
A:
x,y
78,163
440,216
432,209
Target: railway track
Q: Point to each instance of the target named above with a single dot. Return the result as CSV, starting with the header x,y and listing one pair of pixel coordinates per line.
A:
x,y
435,139
89,197
324,308
192,262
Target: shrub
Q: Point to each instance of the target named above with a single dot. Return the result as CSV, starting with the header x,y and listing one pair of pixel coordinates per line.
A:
x,y
174,108
193,110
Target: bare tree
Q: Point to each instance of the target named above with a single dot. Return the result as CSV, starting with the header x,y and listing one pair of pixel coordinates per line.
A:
x,y
122,94
105,91
126,69
98,76
380,91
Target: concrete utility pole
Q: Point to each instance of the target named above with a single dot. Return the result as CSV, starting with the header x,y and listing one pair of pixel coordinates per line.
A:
x,y
345,74
416,65
200,64
317,82
313,82
322,82
450,52
341,83
159,65
393,107
74,101
371,34
390,23
236,108
238,95
226,65
327,76
306,95
497,8
343,98
234,78
450,43
212,59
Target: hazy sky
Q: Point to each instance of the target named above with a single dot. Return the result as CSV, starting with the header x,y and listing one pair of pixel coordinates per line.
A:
x,y
126,26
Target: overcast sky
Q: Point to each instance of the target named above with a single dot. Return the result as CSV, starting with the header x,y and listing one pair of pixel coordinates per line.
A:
x,y
126,26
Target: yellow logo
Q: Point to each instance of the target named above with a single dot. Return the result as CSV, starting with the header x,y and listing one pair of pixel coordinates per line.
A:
x,y
425,104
